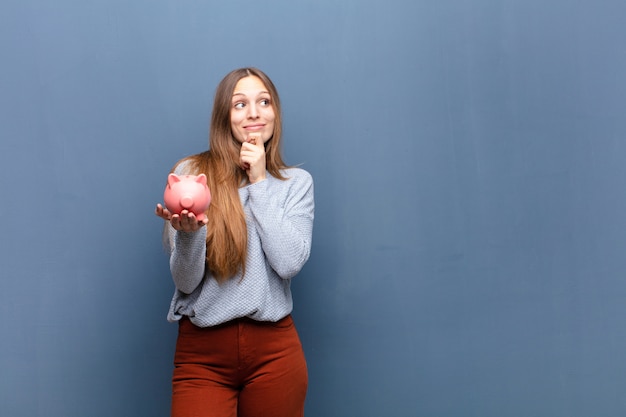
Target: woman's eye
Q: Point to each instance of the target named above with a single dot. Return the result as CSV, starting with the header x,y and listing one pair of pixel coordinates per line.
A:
x,y
239,105
265,102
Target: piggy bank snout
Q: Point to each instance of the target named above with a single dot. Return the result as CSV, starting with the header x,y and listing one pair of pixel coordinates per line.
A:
x,y
186,201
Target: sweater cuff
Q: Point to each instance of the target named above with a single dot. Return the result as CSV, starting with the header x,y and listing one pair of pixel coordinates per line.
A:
x,y
257,189
191,238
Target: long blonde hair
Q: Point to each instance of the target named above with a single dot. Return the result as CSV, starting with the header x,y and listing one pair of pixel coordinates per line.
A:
x,y
227,236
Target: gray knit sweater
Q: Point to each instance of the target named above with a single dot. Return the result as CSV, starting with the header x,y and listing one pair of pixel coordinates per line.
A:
x,y
279,218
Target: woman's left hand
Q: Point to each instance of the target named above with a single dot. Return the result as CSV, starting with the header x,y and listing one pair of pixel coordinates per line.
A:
x,y
252,158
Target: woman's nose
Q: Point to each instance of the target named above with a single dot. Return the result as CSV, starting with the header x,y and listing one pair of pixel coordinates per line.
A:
x,y
252,111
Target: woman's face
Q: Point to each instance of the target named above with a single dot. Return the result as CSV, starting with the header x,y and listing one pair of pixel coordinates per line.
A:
x,y
251,112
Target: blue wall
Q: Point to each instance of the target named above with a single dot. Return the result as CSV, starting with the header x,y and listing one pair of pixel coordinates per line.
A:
x,y
470,162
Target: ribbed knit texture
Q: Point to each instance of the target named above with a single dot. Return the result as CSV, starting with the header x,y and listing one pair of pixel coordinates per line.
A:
x,y
279,218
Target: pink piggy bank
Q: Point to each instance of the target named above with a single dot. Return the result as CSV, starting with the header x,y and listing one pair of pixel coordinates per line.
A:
x,y
187,192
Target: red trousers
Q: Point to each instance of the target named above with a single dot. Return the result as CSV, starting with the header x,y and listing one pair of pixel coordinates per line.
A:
x,y
242,368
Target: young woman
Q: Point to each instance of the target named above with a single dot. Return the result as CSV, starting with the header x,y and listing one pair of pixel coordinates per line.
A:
x,y
238,353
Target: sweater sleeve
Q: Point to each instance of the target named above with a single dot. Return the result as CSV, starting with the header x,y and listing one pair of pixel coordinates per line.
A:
x,y
187,249
187,258
285,225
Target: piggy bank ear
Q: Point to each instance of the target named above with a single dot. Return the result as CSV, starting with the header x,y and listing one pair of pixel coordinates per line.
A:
x,y
172,179
201,179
